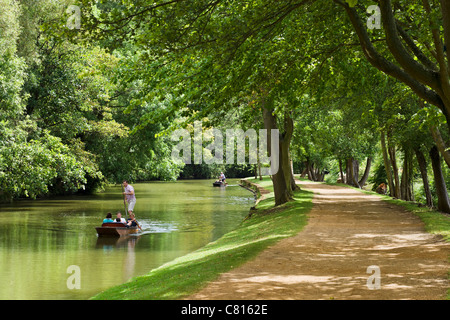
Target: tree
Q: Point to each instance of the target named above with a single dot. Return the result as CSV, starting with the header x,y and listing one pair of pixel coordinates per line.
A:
x,y
214,54
417,46
12,67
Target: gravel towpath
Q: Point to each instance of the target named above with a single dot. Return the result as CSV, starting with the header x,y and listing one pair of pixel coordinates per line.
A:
x,y
355,246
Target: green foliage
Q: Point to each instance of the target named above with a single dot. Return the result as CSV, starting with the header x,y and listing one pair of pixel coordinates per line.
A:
x,y
65,110
28,167
379,176
112,91
12,68
11,81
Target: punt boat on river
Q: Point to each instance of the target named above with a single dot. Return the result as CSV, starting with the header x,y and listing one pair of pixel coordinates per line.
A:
x,y
115,229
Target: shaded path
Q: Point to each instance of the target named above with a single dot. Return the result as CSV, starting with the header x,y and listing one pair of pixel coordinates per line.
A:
x,y
347,232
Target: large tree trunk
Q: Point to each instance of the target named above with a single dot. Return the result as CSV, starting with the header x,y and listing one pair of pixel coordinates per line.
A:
x,y
294,186
279,182
310,170
305,171
365,176
387,165
393,159
441,189
340,171
259,170
423,172
285,159
406,185
353,172
440,143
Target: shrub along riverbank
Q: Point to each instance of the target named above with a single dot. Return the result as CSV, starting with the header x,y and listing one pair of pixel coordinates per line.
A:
x,y
185,275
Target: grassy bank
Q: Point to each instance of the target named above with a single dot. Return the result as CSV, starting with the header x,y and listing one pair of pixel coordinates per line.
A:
x,y
189,273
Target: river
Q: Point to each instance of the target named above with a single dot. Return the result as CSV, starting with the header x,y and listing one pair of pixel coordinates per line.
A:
x,y
40,240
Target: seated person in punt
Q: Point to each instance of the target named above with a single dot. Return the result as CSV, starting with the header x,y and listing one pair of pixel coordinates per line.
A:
x,y
108,218
119,218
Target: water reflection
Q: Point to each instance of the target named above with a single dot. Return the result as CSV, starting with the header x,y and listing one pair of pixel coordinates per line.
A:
x,y
109,243
40,239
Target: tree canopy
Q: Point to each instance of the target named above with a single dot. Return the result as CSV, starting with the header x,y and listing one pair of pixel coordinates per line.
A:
x,y
92,90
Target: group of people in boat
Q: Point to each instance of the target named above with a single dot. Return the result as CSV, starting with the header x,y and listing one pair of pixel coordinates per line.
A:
x,y
130,198
130,222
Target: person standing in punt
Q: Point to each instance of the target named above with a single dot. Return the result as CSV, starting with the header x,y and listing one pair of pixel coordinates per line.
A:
x,y
130,196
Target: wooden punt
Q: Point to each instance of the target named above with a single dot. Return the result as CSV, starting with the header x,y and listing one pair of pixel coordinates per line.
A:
x,y
115,229
219,184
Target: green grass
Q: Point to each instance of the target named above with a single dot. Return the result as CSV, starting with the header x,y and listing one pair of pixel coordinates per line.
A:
x,y
190,273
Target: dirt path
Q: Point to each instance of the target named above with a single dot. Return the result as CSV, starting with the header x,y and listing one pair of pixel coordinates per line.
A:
x,y
347,232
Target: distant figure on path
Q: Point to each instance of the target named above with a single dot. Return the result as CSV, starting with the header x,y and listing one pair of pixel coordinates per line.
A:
x,y
382,189
130,196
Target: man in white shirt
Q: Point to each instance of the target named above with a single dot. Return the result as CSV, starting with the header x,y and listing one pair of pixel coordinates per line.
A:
x,y
130,196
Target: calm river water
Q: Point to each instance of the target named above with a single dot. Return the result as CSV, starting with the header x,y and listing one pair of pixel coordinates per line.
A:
x,y
40,240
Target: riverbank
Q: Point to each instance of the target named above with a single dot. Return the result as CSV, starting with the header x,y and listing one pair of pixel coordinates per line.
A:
x,y
188,274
